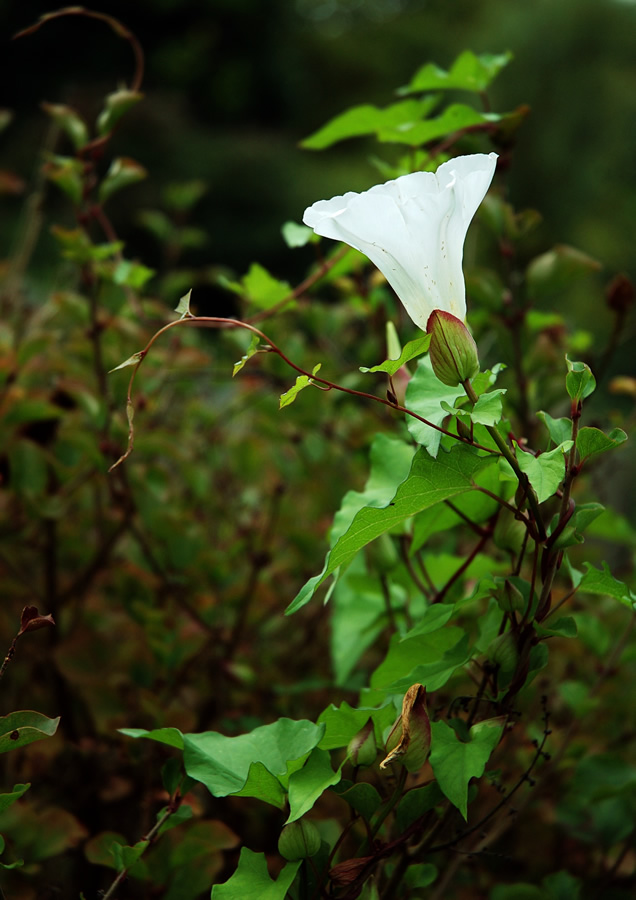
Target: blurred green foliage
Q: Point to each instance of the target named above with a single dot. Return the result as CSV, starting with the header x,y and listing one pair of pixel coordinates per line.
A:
x,y
167,578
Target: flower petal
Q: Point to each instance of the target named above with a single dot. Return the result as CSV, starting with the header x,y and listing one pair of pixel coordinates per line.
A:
x,y
413,230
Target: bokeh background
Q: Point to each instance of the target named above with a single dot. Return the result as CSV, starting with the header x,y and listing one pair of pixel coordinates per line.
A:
x,y
232,86
168,580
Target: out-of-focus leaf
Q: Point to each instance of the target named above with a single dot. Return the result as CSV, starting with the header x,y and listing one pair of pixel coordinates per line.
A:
x,y
469,72
117,104
69,121
8,799
21,728
122,172
553,272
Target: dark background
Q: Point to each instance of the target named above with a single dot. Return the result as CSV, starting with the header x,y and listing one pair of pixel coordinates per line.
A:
x,y
232,86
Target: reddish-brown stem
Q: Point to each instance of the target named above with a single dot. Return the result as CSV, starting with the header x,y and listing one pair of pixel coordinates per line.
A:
x,y
219,322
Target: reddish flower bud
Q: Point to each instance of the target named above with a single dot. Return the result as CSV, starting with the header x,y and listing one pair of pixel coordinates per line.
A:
x,y
362,749
619,294
453,351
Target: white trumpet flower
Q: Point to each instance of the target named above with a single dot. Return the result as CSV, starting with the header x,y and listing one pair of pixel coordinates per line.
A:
x,y
413,229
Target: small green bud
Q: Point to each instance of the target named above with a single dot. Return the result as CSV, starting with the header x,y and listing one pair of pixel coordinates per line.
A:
x,y
509,532
509,597
299,840
453,351
362,749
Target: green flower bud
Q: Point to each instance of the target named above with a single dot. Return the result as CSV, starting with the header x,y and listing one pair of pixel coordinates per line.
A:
x,y
509,532
410,739
299,840
509,597
362,749
453,351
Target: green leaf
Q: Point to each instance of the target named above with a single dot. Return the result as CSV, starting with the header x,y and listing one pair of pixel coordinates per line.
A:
x,y
390,464
178,817
417,802
170,736
546,471
117,104
122,172
131,274
488,409
562,886
469,72
603,582
302,382
478,507
424,395
344,722
429,482
126,857
455,763
579,381
444,651
251,351
362,797
296,235
420,875
223,763
262,289
359,611
69,121
563,627
552,273
131,361
585,514
560,430
456,117
592,440
410,351
21,728
262,784
252,881
309,783
78,247
182,196
183,306
68,174
433,618
368,119
8,799
518,891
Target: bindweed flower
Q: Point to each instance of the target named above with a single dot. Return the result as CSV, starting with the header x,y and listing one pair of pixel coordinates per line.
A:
x,y
413,229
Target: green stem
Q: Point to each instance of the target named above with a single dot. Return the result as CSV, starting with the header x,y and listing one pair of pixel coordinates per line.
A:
x,y
508,455
564,514
384,812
